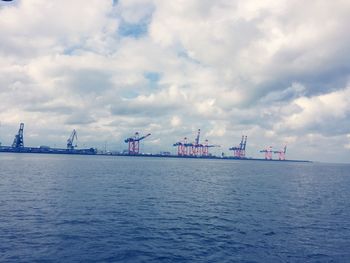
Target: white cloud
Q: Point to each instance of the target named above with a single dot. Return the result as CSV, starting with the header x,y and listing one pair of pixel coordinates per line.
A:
x,y
175,121
134,11
272,70
322,110
347,146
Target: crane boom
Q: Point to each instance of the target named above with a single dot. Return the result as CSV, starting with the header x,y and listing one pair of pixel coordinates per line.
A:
x,y
70,141
18,142
198,135
143,137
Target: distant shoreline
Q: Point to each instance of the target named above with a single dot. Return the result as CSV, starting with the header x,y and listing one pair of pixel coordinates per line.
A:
x,y
32,150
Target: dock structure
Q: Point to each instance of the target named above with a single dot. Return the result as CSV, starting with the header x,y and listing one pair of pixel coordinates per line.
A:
x,y
185,149
19,147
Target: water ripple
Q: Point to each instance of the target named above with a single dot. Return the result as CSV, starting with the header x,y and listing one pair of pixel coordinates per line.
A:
x,y
101,209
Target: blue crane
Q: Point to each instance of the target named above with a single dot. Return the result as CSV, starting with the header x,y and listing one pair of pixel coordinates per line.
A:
x,y
70,141
239,151
18,142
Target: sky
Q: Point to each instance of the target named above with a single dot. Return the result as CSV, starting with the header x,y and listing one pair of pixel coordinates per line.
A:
x,y
276,71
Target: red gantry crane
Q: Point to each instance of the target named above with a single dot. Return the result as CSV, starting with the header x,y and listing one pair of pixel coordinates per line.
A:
x,y
205,148
239,151
134,143
181,147
281,153
193,149
268,153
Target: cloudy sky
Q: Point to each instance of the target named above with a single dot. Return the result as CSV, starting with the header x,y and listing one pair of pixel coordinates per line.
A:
x,y
277,71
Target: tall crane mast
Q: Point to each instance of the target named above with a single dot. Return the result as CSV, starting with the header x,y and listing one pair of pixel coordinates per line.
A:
x,y
70,141
18,142
244,144
195,147
198,135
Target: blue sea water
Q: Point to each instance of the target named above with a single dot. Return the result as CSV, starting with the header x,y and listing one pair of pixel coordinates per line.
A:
x,y
121,209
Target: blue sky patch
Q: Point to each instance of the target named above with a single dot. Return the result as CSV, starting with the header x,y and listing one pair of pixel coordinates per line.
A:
x,y
153,77
133,30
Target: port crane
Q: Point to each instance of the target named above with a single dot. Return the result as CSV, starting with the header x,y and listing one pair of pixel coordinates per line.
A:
x,y
181,147
185,148
268,153
281,153
18,142
70,141
239,151
195,147
134,143
205,148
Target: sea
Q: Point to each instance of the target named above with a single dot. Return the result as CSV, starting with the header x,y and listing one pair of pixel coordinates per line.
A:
x,y
68,208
